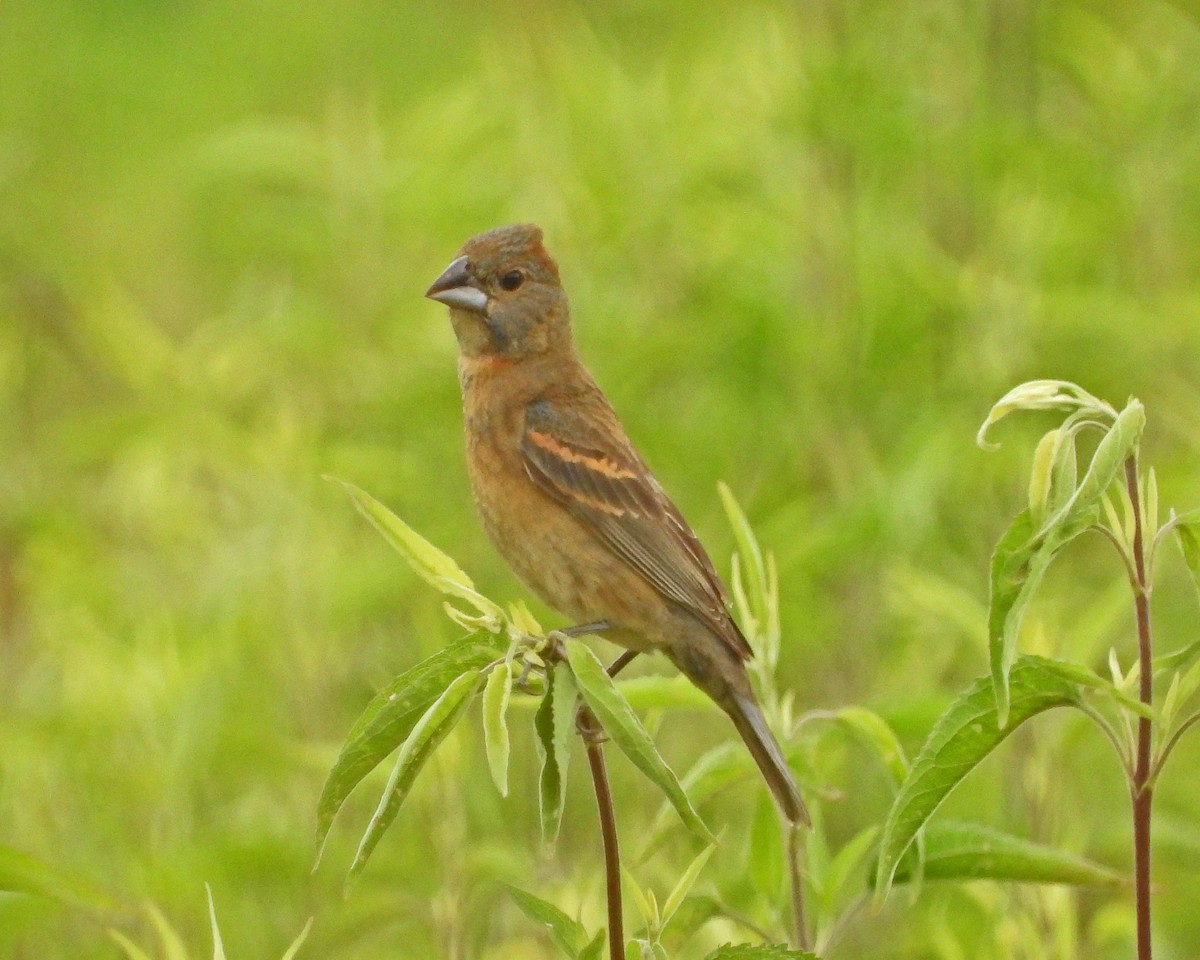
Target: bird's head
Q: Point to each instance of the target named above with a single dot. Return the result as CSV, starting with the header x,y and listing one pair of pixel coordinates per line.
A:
x,y
504,295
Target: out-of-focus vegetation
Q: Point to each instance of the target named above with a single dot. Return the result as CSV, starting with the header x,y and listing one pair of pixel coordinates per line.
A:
x,y
807,246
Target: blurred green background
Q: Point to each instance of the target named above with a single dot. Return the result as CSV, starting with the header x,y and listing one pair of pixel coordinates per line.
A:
x,y
807,245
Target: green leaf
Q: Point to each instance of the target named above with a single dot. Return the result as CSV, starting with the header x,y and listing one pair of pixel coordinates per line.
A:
x,y
1117,445
295,945
568,934
725,764
843,865
760,951
495,724
1041,475
964,735
553,754
218,946
1043,395
684,886
626,730
429,563
426,735
1019,563
390,716
1187,529
874,731
131,950
593,950
1178,659
750,551
22,873
967,851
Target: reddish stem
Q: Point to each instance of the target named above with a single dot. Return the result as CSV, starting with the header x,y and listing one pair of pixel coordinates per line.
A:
x,y
1140,791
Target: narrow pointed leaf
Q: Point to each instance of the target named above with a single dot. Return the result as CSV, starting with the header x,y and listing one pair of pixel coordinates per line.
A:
x,y
436,568
426,735
685,884
966,733
568,934
495,724
622,725
390,716
218,945
296,944
967,851
552,781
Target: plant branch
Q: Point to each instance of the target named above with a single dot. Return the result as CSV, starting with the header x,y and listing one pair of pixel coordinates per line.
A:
x,y
593,737
1170,745
795,858
1141,789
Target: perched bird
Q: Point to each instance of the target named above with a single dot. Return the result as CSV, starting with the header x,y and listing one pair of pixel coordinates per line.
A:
x,y
566,498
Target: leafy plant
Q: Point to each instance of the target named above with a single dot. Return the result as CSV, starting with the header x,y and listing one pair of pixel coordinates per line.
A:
x,y
1114,498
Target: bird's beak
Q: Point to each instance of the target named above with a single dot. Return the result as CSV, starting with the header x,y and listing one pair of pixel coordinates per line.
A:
x,y
456,289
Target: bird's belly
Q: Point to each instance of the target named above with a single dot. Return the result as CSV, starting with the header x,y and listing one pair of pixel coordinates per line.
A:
x,y
561,561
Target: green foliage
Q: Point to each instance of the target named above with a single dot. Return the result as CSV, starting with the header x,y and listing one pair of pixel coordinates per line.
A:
x,y
807,246
954,850
568,934
621,724
966,734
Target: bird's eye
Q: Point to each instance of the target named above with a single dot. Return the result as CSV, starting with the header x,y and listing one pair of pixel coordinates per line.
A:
x,y
512,279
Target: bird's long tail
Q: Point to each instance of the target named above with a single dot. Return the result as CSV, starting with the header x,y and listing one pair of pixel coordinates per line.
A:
x,y
748,717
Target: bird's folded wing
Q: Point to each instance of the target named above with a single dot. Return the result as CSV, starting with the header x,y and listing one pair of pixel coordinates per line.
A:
x,y
589,466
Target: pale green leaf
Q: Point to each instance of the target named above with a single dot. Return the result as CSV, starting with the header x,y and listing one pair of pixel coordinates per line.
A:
x,y
441,717
172,943
294,947
853,854
131,950
496,695
690,875
436,568
218,946
964,735
569,935
874,731
966,851
1042,395
1041,475
621,724
390,716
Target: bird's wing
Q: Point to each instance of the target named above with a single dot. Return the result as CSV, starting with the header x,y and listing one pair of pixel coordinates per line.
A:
x,y
588,465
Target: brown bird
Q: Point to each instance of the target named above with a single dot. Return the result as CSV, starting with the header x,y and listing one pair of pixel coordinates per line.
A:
x,y
566,498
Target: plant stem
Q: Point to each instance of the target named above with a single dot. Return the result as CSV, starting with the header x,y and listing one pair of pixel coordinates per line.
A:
x,y
593,737
1141,791
795,858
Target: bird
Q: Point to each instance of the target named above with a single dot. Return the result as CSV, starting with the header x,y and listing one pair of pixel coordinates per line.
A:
x,y
568,501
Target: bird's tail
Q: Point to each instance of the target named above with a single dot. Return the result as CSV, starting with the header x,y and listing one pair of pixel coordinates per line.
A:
x,y
748,717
